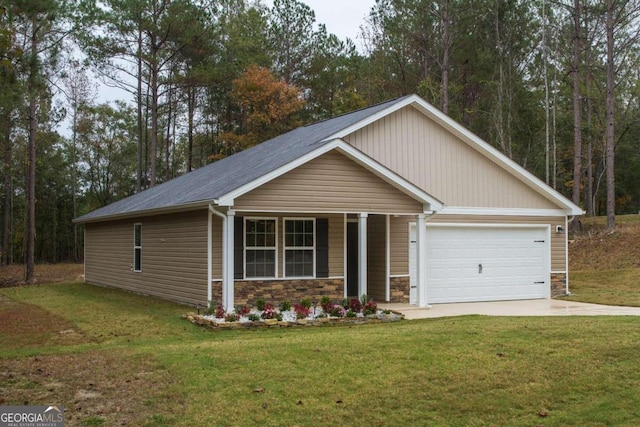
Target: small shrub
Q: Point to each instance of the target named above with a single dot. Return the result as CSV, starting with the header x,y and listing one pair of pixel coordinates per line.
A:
x,y
285,305
326,303
371,307
306,302
269,312
302,312
345,303
386,311
211,308
352,313
220,312
279,317
260,304
355,305
338,311
364,299
231,317
253,317
242,310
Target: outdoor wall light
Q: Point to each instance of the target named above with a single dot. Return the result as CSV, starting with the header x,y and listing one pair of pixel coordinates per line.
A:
x,y
559,229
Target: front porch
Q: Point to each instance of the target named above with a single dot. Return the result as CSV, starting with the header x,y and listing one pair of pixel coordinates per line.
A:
x,y
348,255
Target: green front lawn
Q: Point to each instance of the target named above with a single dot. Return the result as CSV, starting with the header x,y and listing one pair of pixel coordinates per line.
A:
x,y
113,358
610,287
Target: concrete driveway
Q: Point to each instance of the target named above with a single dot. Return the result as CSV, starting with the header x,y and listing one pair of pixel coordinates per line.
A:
x,y
540,307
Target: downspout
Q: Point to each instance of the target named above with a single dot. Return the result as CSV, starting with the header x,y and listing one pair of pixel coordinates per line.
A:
x,y
212,210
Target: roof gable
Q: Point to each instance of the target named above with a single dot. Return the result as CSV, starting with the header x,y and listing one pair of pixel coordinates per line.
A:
x,y
473,141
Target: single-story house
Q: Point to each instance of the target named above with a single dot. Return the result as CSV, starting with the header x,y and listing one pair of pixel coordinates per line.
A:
x,y
396,201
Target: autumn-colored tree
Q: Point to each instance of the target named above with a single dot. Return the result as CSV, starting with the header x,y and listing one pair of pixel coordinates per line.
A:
x,y
267,107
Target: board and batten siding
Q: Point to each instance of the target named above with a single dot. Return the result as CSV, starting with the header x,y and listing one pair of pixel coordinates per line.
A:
x,y
174,256
400,236
434,159
376,257
330,183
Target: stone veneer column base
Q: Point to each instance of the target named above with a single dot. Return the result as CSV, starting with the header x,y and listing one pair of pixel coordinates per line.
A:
x,y
275,291
558,284
399,289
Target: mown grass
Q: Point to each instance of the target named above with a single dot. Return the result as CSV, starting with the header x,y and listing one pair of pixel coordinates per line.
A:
x,y
133,361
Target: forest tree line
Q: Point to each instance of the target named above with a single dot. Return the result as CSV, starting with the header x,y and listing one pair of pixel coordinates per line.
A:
x,y
552,84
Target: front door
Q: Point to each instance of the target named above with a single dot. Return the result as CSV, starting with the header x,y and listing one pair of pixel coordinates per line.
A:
x,y
352,259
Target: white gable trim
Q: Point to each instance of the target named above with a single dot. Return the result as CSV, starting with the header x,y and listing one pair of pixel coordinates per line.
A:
x,y
430,202
475,142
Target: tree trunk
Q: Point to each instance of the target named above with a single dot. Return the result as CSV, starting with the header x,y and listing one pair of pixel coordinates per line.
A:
x,y
577,113
6,206
609,132
446,53
31,156
140,123
190,105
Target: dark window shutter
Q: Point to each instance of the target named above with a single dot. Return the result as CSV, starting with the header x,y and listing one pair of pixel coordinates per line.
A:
x,y
238,245
322,247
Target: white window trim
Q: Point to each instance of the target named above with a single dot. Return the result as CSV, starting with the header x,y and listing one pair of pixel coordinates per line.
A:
x,y
293,248
135,247
245,248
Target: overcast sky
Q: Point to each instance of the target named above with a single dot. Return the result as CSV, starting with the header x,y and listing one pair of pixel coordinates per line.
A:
x,y
342,17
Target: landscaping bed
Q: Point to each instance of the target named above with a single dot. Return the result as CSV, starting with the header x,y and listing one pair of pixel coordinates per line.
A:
x,y
305,313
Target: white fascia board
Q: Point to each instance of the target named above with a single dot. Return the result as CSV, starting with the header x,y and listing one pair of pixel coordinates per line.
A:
x,y
482,146
456,210
351,152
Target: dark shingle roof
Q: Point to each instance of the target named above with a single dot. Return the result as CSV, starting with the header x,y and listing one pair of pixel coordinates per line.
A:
x,y
221,177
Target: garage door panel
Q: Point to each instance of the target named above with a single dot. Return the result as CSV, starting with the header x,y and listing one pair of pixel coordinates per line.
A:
x,y
467,264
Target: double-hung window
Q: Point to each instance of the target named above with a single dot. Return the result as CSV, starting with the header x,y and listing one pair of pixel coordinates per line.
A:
x,y
299,247
260,247
137,247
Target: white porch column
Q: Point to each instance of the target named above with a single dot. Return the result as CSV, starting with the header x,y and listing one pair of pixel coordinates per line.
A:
x,y
228,272
362,254
421,260
209,254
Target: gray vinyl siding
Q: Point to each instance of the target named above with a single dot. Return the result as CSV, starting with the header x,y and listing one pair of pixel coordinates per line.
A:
x,y
434,159
400,236
329,183
376,265
174,256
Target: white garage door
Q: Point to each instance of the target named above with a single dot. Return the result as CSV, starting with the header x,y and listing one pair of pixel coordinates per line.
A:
x,y
475,263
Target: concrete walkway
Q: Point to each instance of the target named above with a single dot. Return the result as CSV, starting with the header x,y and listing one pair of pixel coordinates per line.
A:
x,y
540,307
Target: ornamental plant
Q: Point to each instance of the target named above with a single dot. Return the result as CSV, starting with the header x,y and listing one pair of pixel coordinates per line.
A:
x,y
269,312
260,304
285,305
327,304
220,312
302,312
231,317
210,310
242,311
355,305
306,302
338,311
352,313
253,317
371,307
